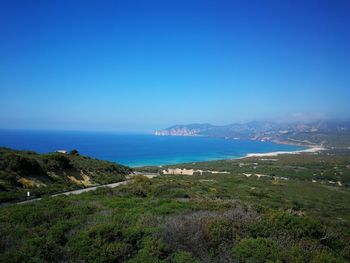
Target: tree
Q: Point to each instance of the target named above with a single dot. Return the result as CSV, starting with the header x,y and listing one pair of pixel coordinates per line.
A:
x,y
74,152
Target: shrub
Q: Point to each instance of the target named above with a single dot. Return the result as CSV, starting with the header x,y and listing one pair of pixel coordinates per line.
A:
x,y
142,180
169,191
326,257
118,252
256,250
24,166
297,253
153,250
37,249
220,231
183,257
204,232
59,231
139,191
279,223
57,161
106,232
102,243
74,152
140,185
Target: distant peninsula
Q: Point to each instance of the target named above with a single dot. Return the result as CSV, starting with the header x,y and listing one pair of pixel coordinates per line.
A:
x,y
322,132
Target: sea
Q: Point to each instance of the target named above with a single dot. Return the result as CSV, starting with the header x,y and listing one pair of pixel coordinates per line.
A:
x,y
137,149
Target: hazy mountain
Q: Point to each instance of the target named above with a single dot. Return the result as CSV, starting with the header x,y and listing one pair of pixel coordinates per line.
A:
x,y
257,130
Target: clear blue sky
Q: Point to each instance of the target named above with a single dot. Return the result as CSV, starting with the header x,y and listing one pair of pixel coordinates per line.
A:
x,y
143,65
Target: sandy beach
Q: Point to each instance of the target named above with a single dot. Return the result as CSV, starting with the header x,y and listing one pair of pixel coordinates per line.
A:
x,y
309,150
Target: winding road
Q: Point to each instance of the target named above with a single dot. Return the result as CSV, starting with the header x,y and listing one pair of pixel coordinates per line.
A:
x,y
79,191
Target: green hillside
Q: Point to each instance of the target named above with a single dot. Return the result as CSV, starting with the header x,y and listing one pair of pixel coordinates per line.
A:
x,y
213,217
22,171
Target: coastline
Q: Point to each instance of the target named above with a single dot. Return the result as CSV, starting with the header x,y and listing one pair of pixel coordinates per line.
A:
x,y
310,148
314,149
104,147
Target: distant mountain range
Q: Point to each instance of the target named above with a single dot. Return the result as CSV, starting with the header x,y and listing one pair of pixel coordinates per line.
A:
x,y
259,130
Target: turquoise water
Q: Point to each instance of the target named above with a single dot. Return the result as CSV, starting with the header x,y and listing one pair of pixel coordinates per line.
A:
x,y
137,149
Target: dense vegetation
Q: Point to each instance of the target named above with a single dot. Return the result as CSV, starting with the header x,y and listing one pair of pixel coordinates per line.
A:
x,y
297,212
327,167
21,171
199,218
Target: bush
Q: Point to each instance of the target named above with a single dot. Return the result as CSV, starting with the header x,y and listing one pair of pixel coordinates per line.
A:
x,y
140,186
74,152
203,233
139,191
153,250
106,232
183,257
142,180
24,166
169,191
278,223
256,250
326,257
220,231
118,252
102,242
55,162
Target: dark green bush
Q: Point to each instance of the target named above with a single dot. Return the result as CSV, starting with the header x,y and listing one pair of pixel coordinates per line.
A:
x,y
183,257
23,166
74,152
277,223
101,243
153,250
169,191
141,180
220,231
326,257
57,161
257,250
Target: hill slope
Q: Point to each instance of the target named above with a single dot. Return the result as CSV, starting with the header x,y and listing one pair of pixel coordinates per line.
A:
x,y
217,218
46,173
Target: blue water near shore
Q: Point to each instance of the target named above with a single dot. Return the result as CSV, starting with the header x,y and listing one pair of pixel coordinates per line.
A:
x,y
137,149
